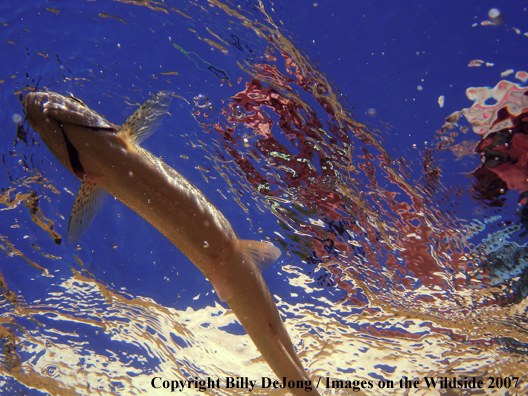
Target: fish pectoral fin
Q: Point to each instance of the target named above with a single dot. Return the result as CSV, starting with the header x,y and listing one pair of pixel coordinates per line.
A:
x,y
261,254
87,203
147,118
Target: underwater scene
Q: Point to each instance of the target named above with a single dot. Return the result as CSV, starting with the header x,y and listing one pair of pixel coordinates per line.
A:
x,y
263,197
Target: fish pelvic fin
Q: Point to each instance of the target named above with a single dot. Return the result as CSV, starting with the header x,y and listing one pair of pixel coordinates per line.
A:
x,y
147,118
259,255
292,360
87,203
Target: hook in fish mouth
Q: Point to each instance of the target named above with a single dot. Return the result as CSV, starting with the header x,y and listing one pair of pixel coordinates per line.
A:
x,y
76,100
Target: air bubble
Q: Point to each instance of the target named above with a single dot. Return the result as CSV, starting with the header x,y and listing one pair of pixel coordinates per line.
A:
x,y
205,244
17,118
495,15
201,101
239,112
51,370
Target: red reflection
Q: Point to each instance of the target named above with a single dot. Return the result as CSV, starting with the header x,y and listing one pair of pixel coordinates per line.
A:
x,y
331,194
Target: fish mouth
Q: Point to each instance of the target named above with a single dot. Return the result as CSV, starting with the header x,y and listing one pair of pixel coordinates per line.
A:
x,y
34,107
51,130
50,113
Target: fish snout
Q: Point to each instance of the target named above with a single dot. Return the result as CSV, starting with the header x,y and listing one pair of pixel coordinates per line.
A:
x,y
36,99
34,104
47,127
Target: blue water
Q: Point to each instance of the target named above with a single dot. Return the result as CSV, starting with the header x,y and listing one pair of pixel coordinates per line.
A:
x,y
124,305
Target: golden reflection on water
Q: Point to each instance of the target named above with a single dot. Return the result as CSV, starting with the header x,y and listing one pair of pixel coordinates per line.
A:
x,y
416,302
70,323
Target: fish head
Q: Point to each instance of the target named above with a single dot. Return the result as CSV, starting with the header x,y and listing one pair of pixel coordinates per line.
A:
x,y
50,114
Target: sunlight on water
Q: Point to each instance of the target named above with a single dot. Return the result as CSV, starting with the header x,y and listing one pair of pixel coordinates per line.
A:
x,y
391,278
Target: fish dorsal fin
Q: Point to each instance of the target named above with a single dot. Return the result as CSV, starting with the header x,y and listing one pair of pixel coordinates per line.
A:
x,y
258,255
261,254
147,118
87,203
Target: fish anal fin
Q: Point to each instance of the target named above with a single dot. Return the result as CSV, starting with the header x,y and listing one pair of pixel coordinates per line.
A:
x,y
261,254
294,361
147,118
87,203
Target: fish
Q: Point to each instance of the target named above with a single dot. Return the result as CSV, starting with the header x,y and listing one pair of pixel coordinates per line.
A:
x,y
109,159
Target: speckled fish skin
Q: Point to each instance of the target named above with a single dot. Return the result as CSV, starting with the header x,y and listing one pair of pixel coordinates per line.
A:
x,y
106,156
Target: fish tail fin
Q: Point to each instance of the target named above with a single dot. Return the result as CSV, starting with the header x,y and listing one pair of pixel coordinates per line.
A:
x,y
147,118
259,255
